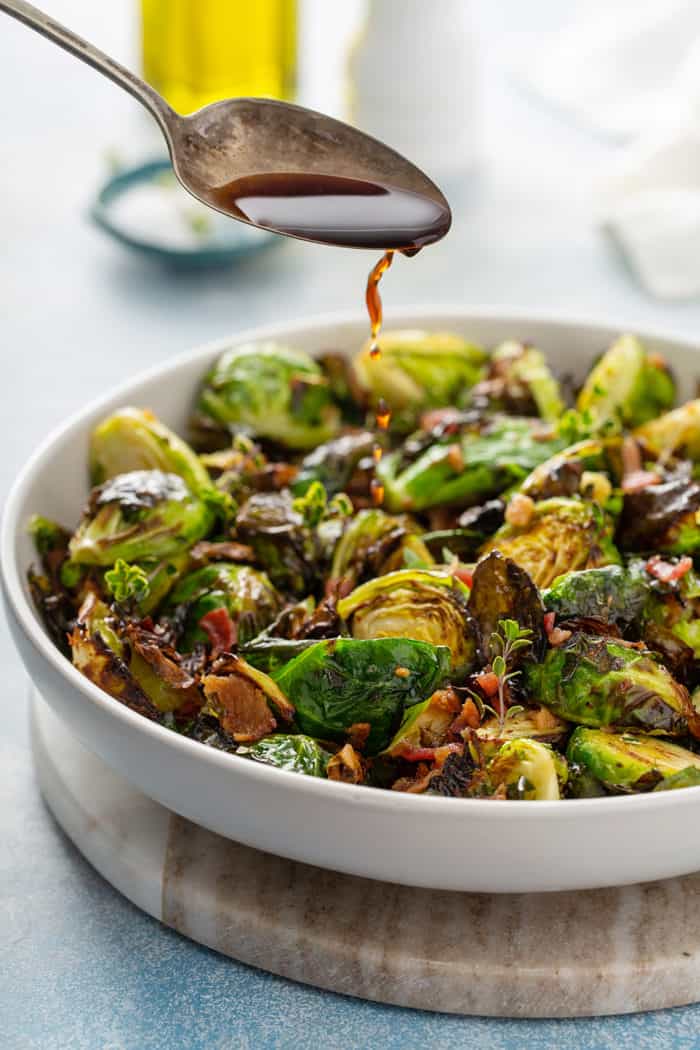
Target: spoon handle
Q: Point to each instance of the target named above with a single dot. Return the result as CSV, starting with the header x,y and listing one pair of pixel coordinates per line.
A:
x,y
34,18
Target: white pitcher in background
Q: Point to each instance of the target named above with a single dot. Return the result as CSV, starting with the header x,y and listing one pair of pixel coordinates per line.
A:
x,y
413,81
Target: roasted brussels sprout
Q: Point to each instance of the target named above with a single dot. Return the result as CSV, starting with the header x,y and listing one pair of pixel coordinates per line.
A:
x,y
131,664
562,535
663,518
274,391
600,681
631,762
470,468
338,685
246,702
627,386
298,754
532,723
133,439
334,462
566,473
528,770
425,725
502,590
281,540
245,593
419,370
374,543
677,433
143,515
427,605
519,381
611,593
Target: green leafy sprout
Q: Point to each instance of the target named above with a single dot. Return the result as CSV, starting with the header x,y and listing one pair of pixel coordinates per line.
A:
x,y
509,639
126,583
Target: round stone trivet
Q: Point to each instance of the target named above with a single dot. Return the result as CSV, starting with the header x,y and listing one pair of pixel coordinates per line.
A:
x,y
538,955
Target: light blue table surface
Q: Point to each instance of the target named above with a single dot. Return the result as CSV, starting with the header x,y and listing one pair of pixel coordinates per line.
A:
x,y
79,966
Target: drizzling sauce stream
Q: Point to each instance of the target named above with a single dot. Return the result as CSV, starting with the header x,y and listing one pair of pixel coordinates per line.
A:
x,y
349,212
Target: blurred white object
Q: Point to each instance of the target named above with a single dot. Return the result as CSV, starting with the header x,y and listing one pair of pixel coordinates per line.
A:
x,y
414,81
611,66
633,71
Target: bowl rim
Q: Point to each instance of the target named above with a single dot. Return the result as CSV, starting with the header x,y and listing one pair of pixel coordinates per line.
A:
x,y
315,787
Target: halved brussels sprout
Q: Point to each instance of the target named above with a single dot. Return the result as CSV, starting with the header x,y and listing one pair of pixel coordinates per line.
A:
x,y
663,518
519,381
467,470
374,543
565,473
561,536
282,541
532,723
631,762
676,433
134,439
528,770
337,685
502,590
143,515
247,595
610,593
162,577
425,724
685,778
604,682
131,664
427,605
334,462
272,390
627,386
298,753
418,370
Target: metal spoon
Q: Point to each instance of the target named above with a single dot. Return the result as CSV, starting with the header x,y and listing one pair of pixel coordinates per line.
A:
x,y
394,205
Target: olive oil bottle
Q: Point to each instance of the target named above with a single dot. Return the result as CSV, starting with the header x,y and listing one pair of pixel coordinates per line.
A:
x,y
199,51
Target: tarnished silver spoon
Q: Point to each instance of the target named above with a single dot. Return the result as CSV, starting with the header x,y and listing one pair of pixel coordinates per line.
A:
x,y
279,166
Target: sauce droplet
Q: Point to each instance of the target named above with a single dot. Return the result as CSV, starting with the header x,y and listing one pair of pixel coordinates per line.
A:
x,y
377,490
374,300
383,415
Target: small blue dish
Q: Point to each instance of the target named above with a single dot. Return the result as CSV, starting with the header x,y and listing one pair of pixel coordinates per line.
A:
x,y
146,208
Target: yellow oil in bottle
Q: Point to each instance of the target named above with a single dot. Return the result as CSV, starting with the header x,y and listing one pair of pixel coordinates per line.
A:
x,y
199,51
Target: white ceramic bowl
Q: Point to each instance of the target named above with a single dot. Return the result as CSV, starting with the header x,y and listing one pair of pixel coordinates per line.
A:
x,y
442,843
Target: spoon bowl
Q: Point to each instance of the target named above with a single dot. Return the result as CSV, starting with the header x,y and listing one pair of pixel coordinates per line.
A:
x,y
279,166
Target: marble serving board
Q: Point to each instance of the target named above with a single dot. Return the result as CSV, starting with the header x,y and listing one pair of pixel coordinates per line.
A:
x,y
606,951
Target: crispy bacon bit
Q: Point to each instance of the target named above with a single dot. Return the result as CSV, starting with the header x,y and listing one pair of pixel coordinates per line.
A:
x,y
205,551
543,720
429,754
487,682
440,417
402,672
638,480
358,733
346,766
666,571
338,588
464,575
631,457
468,718
549,619
220,630
520,510
557,636
240,706
455,458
